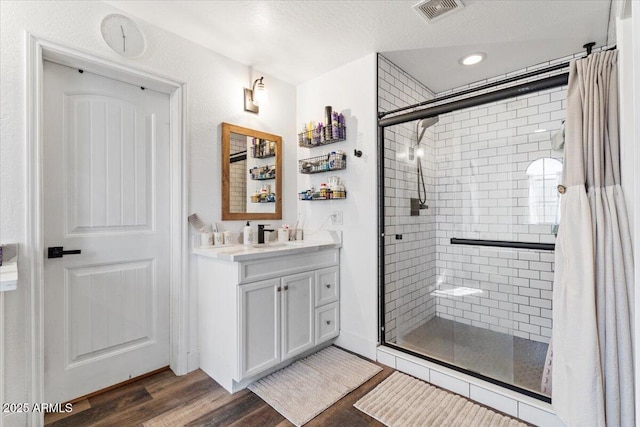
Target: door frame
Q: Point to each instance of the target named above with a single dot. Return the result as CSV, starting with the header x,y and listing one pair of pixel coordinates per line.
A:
x,y
38,50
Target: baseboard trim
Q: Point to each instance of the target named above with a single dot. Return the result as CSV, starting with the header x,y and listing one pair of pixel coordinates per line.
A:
x,y
123,383
193,360
357,344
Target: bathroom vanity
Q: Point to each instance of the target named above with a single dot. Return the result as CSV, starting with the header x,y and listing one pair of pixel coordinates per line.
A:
x,y
261,307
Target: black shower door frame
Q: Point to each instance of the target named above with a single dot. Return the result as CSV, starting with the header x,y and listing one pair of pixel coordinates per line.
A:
x,y
443,107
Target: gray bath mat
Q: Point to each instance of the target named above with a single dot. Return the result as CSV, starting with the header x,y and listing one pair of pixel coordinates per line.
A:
x,y
309,386
401,400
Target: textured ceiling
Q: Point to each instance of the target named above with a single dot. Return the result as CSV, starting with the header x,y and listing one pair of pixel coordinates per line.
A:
x,y
299,40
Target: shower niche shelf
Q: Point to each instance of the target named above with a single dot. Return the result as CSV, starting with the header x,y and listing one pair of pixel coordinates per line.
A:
x,y
325,163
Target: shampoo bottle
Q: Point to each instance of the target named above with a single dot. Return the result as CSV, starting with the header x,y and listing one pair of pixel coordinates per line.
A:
x,y
247,235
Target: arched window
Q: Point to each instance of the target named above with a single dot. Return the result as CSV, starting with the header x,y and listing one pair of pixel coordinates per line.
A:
x,y
544,176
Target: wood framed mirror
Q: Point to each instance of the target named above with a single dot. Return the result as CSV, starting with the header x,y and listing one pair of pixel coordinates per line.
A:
x,y
251,174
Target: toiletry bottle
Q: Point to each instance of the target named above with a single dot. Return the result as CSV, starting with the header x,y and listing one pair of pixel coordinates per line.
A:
x,y
247,235
328,111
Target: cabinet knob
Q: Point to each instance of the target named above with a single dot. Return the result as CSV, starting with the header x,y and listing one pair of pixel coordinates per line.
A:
x,y
279,288
328,322
328,285
286,288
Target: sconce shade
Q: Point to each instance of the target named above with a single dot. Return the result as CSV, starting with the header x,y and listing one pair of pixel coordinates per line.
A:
x,y
255,97
260,95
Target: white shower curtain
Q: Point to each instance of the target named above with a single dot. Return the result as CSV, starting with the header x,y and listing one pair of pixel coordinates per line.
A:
x,y
593,293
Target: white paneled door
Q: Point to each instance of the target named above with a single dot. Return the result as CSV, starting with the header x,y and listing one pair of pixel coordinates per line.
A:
x,y
106,194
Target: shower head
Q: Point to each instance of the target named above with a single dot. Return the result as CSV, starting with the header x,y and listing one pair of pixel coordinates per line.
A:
x,y
425,124
428,122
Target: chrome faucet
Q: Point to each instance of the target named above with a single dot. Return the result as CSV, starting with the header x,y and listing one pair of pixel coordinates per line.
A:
x,y
261,231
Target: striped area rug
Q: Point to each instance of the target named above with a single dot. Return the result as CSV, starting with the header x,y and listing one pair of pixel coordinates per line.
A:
x,y
309,386
401,400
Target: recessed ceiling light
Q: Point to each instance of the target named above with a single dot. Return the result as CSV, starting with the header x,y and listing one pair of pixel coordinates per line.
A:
x,y
539,130
473,58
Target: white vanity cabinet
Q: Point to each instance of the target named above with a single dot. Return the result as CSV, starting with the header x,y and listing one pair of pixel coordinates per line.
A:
x,y
258,314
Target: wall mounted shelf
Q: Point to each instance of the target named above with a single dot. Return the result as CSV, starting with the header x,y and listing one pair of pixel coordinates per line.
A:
x,y
262,148
266,156
318,137
259,173
316,196
325,163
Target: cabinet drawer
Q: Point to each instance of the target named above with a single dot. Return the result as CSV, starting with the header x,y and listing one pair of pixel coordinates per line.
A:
x,y
279,266
327,285
327,322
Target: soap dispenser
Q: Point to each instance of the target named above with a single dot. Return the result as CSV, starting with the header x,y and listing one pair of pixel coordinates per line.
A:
x,y
247,235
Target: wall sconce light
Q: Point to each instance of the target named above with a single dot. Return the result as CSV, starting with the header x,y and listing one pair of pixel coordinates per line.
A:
x,y
255,97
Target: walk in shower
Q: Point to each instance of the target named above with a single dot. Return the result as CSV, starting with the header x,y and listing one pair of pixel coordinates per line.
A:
x,y
468,237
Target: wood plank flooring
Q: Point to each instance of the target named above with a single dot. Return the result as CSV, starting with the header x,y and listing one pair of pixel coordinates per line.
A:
x,y
164,399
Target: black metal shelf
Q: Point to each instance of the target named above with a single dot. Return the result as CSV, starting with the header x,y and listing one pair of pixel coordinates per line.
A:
x,y
266,156
316,138
259,173
316,196
262,148
325,163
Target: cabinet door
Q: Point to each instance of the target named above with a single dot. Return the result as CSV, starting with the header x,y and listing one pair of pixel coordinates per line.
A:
x,y
297,314
259,323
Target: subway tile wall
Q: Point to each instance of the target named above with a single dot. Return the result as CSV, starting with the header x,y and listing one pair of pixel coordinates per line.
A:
x,y
475,168
238,174
410,262
484,175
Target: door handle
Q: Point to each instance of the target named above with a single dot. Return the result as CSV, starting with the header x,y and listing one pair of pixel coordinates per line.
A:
x,y
58,252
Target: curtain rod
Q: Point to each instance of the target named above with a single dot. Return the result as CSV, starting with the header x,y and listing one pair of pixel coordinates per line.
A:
x,y
485,98
588,47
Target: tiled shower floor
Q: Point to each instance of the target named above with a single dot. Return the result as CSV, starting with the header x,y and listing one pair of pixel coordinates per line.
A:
x,y
501,356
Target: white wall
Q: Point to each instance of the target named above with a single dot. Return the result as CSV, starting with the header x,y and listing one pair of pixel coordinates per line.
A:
x,y
215,95
350,89
627,34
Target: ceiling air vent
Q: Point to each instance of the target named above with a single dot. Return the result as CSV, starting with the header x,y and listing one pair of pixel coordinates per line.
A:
x,y
431,10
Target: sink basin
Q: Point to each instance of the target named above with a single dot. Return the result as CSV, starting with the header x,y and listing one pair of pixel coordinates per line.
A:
x,y
269,245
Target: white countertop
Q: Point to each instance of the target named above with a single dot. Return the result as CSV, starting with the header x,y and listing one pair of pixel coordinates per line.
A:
x,y
318,240
8,276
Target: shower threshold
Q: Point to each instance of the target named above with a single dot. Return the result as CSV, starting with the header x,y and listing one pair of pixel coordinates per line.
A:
x,y
507,360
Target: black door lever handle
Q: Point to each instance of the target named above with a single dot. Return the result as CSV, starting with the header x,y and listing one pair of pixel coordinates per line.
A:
x,y
58,252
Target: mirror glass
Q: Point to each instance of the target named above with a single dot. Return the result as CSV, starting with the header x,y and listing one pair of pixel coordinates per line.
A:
x,y
251,174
